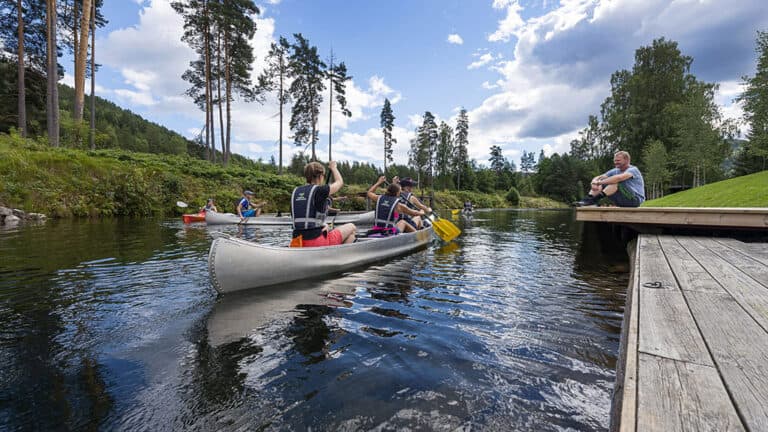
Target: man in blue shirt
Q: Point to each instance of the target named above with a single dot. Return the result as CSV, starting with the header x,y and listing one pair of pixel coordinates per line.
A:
x,y
623,185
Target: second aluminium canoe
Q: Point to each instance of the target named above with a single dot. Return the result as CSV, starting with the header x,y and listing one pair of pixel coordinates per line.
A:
x,y
236,264
213,218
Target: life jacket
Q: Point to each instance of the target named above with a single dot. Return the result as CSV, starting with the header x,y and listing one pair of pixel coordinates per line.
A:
x,y
385,211
305,215
244,204
405,197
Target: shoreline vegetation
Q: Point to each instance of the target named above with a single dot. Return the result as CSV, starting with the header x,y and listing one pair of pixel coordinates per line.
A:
x,y
65,182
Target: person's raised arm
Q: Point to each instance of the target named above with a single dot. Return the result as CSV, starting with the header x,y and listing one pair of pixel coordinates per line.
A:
x,y
372,190
338,182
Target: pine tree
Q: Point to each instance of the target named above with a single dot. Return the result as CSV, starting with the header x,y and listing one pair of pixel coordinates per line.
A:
x,y
273,79
444,156
306,91
387,123
337,80
461,155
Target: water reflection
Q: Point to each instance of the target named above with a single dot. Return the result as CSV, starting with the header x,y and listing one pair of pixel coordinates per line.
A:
x,y
114,325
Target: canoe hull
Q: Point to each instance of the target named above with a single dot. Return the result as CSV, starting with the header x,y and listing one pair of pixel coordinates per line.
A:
x,y
193,217
212,218
236,264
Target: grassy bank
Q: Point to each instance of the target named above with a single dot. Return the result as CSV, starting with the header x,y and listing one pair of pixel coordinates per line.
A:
x,y
63,182
745,191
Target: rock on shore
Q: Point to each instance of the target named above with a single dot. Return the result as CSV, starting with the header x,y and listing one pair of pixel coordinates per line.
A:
x,y
10,217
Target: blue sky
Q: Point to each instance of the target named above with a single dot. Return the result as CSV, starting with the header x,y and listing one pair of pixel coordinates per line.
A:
x,y
528,72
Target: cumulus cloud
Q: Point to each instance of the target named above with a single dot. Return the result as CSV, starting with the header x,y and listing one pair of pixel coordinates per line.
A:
x,y
455,39
563,59
483,60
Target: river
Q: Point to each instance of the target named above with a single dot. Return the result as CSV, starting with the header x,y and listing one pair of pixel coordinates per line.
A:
x,y
113,325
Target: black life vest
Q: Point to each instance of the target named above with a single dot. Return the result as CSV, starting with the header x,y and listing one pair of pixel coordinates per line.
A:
x,y
405,197
385,211
305,215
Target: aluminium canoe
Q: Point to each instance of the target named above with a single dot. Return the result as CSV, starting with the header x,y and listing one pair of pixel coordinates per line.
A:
x,y
235,264
358,217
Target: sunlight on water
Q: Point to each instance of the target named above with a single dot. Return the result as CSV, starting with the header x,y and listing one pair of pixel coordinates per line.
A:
x,y
515,326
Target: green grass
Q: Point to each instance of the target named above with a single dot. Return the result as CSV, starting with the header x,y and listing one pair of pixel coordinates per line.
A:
x,y
746,191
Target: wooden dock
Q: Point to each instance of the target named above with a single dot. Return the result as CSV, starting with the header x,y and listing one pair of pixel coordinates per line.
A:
x,y
643,218
694,349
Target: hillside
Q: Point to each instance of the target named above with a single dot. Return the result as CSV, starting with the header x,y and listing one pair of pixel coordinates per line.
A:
x,y
116,128
745,191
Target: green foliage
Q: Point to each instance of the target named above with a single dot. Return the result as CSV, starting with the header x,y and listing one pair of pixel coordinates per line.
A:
x,y
513,196
656,173
744,191
110,182
306,91
387,122
754,156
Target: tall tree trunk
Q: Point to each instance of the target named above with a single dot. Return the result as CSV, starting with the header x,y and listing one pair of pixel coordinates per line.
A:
x,y
281,98
52,93
80,60
22,93
314,127
228,80
93,76
218,91
210,139
330,120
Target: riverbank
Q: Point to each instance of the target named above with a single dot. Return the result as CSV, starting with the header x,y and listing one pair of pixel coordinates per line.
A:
x,y
63,182
745,191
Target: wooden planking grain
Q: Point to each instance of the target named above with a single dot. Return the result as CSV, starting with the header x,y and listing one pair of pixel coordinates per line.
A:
x,y
739,347
758,251
752,267
690,274
750,294
682,396
666,326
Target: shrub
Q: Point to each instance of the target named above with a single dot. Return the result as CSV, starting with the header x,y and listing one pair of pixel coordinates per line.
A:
x,y
513,196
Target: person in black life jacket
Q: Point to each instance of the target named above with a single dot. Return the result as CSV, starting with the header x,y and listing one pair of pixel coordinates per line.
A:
x,y
309,205
209,206
411,200
389,207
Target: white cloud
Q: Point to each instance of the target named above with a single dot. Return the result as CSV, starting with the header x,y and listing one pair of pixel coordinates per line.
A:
x,y
482,61
455,39
563,59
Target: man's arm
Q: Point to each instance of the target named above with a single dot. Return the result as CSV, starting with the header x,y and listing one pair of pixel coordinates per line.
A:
x,y
402,208
417,202
372,190
338,182
618,178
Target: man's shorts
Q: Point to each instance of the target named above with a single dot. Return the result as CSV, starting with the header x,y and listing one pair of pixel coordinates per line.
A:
x,y
408,219
624,197
328,238
249,213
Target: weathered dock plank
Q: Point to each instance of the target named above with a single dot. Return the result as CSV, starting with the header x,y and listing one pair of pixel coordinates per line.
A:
x,y
678,216
667,326
681,396
699,317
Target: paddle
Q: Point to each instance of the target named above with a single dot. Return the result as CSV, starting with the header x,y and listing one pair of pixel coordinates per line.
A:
x,y
444,228
181,204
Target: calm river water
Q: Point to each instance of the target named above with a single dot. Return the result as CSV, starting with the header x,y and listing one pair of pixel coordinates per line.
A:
x,y
113,325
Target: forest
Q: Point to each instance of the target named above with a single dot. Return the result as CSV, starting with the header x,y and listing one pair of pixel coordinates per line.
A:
x,y
658,111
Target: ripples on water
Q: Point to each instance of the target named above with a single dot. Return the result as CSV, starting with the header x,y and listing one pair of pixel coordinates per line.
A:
x,y
113,325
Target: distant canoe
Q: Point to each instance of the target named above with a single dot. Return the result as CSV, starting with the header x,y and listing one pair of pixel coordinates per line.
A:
x,y
193,217
236,264
213,218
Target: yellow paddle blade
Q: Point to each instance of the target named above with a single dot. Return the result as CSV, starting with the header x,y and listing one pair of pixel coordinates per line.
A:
x,y
445,229
454,212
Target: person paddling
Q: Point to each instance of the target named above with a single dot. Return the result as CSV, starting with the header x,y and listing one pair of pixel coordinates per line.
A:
x,y
245,207
209,206
389,207
309,204
411,200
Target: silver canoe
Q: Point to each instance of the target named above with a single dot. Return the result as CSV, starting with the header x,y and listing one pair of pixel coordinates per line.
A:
x,y
357,217
236,264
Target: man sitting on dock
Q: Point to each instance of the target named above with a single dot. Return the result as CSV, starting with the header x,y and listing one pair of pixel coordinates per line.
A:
x,y
623,185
